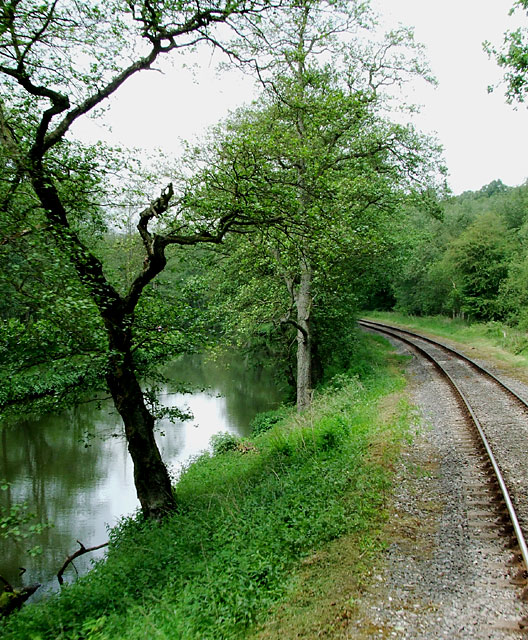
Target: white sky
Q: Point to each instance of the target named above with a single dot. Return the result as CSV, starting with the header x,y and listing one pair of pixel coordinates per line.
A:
x,y
483,138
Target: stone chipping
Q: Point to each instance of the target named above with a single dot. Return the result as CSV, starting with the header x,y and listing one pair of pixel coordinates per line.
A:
x,y
448,571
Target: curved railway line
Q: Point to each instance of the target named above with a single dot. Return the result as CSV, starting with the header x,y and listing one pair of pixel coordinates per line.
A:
x,y
497,416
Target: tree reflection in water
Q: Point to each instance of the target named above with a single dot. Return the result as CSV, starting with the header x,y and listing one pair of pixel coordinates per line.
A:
x,y
83,484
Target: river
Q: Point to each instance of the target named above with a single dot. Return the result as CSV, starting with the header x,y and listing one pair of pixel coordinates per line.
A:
x,y
74,471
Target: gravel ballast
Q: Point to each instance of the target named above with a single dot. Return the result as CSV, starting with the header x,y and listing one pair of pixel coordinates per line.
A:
x,y
446,572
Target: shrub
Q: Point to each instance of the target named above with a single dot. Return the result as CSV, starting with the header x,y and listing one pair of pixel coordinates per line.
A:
x,y
264,421
223,442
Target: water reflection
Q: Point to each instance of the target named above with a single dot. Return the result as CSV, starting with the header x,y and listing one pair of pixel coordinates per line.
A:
x,y
83,489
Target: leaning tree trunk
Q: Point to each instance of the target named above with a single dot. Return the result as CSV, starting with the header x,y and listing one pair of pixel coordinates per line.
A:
x,y
151,477
304,338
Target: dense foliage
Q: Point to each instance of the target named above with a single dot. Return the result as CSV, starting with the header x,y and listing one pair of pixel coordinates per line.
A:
x,y
321,150
473,262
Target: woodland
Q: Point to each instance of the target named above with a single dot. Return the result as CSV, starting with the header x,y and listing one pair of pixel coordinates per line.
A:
x,y
470,263
270,235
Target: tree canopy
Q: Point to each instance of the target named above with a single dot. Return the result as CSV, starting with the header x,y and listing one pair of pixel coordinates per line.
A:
x,y
513,57
320,150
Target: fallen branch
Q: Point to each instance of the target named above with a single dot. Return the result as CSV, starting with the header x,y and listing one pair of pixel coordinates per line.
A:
x,y
80,552
12,598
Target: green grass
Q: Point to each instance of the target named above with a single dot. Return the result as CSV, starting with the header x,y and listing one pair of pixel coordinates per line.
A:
x,y
247,520
492,339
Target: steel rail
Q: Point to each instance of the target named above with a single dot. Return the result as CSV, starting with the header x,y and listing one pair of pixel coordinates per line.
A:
x,y
523,547
474,364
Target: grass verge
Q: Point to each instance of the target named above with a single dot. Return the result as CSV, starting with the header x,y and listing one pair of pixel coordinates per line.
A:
x,y
327,583
254,529
493,340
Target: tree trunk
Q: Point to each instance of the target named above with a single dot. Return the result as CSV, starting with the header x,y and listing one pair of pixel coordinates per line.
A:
x,y
151,478
153,485
304,340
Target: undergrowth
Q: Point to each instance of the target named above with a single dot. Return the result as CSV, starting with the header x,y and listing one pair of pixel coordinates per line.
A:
x,y
247,516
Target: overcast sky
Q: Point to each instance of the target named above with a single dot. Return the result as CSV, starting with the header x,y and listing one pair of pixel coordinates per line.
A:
x,y
483,138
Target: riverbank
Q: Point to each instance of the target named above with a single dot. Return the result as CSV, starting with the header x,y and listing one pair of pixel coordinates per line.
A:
x,y
252,524
73,471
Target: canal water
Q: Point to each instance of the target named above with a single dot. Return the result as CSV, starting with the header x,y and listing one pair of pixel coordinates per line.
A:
x,y
74,471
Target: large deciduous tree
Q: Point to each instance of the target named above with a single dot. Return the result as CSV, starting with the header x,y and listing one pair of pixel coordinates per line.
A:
x,y
319,150
60,61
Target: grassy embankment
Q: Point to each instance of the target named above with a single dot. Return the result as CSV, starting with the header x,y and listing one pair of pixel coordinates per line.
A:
x,y
271,538
505,345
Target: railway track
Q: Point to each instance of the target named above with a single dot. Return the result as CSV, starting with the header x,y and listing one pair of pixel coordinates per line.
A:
x,y
495,444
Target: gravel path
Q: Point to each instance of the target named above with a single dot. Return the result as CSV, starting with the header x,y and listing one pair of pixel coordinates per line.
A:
x,y
446,573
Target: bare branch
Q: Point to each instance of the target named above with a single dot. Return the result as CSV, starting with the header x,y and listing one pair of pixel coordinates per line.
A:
x,y
155,208
164,40
80,552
